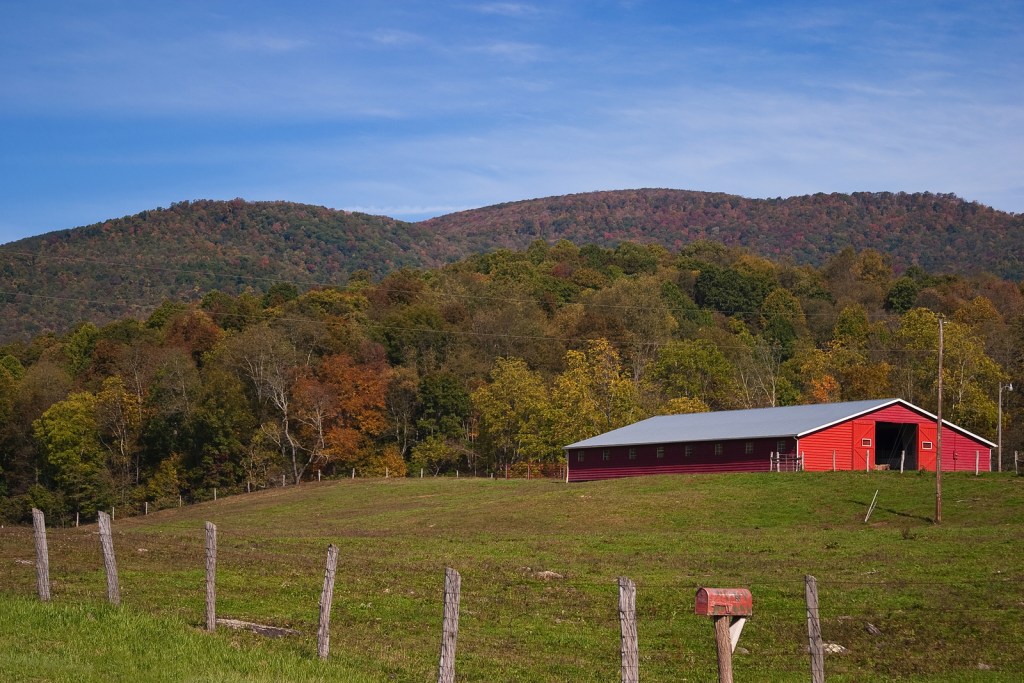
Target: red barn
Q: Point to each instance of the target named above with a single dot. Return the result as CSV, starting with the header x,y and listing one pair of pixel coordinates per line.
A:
x,y
859,435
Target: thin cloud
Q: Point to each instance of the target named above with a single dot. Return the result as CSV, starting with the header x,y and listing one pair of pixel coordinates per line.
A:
x,y
395,37
512,51
507,9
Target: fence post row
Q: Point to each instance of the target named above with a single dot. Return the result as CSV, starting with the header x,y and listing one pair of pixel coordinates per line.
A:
x,y
109,563
42,555
816,647
629,650
211,576
323,634
450,628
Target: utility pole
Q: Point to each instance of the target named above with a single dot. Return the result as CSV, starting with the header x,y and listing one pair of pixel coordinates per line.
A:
x,y
938,439
1008,387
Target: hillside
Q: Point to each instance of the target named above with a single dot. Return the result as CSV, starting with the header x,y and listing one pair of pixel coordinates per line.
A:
x,y
940,233
128,265
940,596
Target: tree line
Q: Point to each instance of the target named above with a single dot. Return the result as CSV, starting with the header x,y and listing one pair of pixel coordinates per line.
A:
x,y
493,362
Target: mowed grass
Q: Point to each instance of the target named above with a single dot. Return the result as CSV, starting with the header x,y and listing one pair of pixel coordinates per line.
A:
x,y
948,599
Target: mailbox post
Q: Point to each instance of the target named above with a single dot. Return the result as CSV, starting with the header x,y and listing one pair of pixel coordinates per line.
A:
x,y
730,608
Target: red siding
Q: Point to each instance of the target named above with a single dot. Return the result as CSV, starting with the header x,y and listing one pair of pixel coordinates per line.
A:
x,y
845,438
960,453
819,448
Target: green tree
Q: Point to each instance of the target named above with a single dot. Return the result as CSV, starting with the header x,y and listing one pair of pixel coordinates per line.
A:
x,y
444,405
730,291
902,295
68,439
695,369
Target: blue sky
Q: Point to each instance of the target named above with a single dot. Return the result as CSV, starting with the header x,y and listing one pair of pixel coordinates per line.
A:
x,y
414,109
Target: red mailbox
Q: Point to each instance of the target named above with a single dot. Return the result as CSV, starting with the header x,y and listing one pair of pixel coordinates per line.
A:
x,y
729,607
724,602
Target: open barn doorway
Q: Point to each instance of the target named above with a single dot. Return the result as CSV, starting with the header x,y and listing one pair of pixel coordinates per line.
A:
x,y
893,441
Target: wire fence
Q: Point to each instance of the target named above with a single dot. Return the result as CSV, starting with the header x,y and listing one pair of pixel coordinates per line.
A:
x,y
529,621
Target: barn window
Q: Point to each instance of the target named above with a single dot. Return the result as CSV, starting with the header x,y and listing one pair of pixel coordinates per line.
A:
x,y
866,443
660,453
718,449
688,450
579,456
605,455
926,445
632,454
748,447
780,445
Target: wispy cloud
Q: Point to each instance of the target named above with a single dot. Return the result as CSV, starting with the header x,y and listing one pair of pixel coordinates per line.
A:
x,y
513,51
395,37
507,9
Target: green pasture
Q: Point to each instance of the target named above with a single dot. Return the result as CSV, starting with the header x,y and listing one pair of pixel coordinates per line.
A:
x,y
948,599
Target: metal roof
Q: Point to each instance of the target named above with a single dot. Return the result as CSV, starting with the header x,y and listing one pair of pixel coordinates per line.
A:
x,y
756,423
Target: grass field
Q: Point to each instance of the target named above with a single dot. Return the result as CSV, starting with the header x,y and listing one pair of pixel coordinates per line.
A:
x,y
948,599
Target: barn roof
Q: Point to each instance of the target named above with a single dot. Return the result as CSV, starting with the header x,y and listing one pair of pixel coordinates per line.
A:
x,y
756,423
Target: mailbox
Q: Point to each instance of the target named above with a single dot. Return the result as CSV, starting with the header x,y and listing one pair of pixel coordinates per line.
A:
x,y
724,602
729,607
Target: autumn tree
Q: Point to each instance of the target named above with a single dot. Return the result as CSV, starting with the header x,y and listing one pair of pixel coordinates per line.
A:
x,y
513,409
593,395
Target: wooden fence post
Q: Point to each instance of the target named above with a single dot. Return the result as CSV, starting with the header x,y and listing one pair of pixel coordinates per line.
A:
x,y
629,651
450,629
42,555
109,563
323,634
816,647
211,576
903,460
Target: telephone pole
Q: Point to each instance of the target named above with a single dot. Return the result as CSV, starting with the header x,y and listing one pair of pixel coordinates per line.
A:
x,y
938,439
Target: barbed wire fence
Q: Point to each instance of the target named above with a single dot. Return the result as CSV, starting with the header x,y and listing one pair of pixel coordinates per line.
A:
x,y
566,625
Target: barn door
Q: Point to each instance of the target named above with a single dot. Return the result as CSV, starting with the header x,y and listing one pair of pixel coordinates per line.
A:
x,y
926,446
863,444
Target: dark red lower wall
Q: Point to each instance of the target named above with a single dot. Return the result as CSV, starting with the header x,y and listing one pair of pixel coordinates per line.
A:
x,y
702,459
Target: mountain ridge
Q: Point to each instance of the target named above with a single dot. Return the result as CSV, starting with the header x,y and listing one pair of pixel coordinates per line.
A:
x,y
104,270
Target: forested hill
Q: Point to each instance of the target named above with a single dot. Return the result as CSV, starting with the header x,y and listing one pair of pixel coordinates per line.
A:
x,y
128,265
938,232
